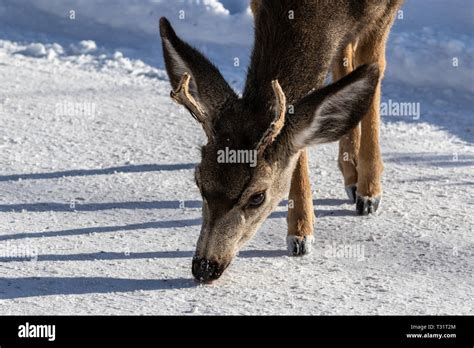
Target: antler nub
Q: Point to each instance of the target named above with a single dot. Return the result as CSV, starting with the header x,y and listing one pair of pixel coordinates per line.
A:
x,y
277,125
280,111
182,96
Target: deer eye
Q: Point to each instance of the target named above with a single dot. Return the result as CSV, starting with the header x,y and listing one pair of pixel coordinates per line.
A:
x,y
257,200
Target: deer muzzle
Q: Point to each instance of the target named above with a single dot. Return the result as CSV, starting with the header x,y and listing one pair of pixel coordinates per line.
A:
x,y
206,271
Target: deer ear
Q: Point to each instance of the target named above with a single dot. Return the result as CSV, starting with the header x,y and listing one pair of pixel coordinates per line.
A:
x,y
328,114
206,85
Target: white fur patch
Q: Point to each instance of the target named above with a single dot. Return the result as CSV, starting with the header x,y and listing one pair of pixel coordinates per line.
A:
x,y
336,108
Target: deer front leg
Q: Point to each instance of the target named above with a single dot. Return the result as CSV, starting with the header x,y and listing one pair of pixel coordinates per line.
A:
x,y
300,209
349,143
370,165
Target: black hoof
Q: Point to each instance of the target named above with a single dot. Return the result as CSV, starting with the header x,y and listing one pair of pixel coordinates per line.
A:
x,y
299,246
351,192
367,205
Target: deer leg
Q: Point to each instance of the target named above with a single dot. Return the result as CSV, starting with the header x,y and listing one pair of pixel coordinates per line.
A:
x,y
349,144
371,49
300,209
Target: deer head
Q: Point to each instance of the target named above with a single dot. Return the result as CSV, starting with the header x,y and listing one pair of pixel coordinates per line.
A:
x,y
238,197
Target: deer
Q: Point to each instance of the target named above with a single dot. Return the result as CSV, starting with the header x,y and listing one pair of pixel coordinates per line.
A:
x,y
285,107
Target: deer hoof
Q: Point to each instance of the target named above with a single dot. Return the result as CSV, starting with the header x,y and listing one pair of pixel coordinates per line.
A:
x,y
299,246
351,192
367,205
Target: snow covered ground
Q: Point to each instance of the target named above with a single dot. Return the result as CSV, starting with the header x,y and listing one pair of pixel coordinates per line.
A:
x,y
99,213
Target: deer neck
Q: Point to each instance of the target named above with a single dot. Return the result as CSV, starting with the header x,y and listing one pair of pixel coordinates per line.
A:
x,y
296,52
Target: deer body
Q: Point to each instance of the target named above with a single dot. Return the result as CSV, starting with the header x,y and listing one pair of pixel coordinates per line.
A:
x,y
296,44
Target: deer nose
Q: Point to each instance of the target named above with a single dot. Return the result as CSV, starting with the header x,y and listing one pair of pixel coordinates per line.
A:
x,y
206,270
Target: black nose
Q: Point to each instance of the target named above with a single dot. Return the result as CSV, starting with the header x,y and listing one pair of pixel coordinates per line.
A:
x,y
206,270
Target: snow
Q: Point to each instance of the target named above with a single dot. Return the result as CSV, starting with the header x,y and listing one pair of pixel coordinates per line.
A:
x,y
34,50
99,213
84,47
223,30
209,16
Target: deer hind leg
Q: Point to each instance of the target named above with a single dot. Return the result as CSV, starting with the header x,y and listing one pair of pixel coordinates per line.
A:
x,y
371,49
300,209
349,144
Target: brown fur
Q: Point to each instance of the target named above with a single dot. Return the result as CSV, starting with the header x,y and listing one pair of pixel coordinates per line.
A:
x,y
361,161
300,203
372,48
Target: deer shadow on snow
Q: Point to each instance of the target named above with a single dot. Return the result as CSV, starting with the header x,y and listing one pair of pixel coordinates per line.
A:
x,y
21,287
13,288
